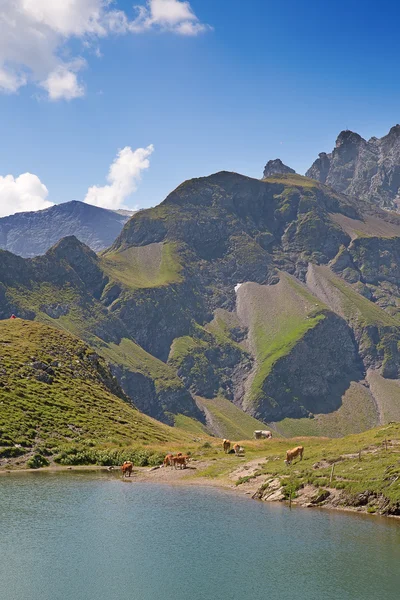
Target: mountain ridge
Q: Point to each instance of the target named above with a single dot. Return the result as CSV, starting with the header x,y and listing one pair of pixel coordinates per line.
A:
x,y
30,234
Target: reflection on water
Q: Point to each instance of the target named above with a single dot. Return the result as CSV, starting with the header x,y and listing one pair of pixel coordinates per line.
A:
x,y
93,537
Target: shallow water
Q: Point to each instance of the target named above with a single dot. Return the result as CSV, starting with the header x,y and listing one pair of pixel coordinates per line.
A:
x,y
94,537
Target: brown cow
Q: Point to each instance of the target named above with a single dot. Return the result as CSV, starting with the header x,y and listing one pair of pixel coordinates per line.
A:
x,y
127,468
181,461
168,460
226,445
293,453
238,449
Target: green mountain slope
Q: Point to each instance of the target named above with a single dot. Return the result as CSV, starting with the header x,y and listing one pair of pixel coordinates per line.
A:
x,y
58,398
164,307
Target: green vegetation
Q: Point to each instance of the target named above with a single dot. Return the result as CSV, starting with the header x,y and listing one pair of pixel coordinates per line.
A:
x,y
367,463
190,425
205,360
132,356
148,266
353,305
57,394
357,413
292,179
227,420
378,471
287,313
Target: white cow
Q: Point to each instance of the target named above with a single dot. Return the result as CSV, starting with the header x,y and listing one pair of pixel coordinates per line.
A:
x,y
262,434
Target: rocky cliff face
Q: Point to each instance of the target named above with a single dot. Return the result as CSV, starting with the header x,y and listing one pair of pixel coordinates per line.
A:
x,y
276,167
33,233
364,169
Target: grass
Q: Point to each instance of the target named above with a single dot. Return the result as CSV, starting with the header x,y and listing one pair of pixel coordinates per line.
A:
x,y
148,266
278,324
353,305
190,425
77,410
292,179
378,471
132,356
229,421
356,414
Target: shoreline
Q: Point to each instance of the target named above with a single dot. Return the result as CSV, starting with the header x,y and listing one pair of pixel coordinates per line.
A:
x,y
186,478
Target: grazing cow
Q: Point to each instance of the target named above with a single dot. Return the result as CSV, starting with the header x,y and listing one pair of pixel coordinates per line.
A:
x,y
262,434
127,468
168,460
180,461
226,445
292,454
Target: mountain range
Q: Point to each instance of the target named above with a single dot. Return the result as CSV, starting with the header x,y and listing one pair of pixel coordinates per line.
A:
x,y
274,300
30,234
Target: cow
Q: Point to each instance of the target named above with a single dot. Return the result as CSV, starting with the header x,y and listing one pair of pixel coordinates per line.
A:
x,y
293,453
226,445
168,460
262,434
127,468
180,461
238,449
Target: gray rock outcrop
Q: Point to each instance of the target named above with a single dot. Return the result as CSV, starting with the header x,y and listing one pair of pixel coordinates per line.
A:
x,y
369,170
276,167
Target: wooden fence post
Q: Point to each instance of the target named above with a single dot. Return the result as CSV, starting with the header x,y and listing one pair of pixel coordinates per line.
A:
x,y
332,470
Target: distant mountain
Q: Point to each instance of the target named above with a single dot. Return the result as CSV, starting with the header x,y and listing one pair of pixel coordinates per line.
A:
x,y
31,234
364,169
279,298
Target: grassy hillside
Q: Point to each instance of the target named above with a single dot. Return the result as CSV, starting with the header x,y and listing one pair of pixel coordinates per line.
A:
x,y
345,300
366,472
58,398
143,266
277,318
358,412
225,420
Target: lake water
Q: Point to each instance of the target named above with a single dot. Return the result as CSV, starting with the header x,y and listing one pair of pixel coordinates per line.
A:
x,y
94,537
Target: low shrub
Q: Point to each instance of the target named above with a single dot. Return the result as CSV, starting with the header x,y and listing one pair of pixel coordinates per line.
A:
x,y
37,461
112,457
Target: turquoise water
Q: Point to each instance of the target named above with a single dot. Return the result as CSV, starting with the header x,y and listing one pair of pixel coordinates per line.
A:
x,y
93,537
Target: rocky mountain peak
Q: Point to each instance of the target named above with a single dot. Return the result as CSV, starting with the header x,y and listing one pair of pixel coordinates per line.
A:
x,y
348,137
276,167
395,130
369,170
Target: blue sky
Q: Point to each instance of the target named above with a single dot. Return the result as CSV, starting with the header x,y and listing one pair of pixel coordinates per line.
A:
x,y
267,79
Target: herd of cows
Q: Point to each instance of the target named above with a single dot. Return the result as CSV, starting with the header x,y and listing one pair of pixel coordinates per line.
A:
x,y
180,460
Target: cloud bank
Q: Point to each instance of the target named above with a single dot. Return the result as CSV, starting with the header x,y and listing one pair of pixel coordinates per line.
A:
x,y
35,37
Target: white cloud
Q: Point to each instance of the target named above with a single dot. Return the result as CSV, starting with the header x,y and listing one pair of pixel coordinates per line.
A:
x,y
63,83
24,193
35,35
170,15
123,177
